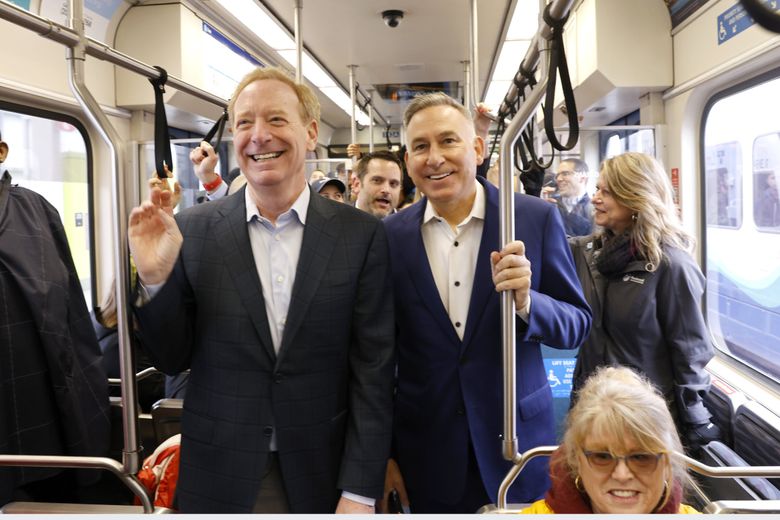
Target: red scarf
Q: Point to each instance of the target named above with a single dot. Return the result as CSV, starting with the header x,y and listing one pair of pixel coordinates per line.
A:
x,y
564,497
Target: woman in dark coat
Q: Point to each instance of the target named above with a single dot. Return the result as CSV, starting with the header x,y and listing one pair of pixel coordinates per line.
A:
x,y
645,289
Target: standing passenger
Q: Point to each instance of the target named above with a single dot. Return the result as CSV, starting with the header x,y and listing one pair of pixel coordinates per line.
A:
x,y
645,290
572,198
277,301
332,189
378,183
447,274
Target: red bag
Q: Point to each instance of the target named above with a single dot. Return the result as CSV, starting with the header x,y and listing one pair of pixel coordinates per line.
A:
x,y
160,472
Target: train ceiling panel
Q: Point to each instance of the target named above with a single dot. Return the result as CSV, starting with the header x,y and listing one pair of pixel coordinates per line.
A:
x,y
427,46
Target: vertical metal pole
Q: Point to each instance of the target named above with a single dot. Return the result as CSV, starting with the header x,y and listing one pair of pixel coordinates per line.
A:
x,y
370,120
352,99
474,58
506,234
467,84
77,57
298,42
370,128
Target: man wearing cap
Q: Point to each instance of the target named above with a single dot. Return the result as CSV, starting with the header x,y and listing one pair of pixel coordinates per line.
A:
x,y
332,189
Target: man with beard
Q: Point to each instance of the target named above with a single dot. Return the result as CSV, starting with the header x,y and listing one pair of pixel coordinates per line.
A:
x,y
378,183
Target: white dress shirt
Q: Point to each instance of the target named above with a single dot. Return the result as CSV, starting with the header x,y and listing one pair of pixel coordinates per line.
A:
x,y
276,249
452,255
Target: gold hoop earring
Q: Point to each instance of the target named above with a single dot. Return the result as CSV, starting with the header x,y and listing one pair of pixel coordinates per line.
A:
x,y
578,484
664,496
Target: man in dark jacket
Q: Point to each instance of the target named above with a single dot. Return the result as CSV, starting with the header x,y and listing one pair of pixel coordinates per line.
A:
x,y
277,301
54,393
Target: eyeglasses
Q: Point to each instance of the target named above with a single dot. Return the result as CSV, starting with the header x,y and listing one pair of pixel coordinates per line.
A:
x,y
565,173
605,462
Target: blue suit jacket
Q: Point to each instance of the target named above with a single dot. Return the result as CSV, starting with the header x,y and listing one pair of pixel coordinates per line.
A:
x,y
449,392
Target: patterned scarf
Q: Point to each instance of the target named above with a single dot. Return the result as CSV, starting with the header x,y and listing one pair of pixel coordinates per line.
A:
x,y
615,254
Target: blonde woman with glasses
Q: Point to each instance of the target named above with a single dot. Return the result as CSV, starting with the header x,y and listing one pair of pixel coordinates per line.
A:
x,y
619,452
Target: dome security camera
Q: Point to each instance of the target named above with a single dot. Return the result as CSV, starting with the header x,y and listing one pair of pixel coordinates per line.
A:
x,y
392,17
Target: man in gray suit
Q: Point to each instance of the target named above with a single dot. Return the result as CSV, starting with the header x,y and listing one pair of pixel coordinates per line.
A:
x,y
279,302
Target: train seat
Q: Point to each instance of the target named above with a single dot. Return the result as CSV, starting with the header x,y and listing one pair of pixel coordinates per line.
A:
x,y
166,418
718,454
145,431
723,401
757,436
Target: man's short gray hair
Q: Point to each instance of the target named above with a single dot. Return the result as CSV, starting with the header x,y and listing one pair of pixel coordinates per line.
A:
x,y
432,99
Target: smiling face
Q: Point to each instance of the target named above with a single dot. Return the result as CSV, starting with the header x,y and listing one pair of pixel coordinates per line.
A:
x,y
607,211
442,155
619,489
380,188
270,136
570,183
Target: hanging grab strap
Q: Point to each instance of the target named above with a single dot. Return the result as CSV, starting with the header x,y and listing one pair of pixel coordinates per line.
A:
x,y
558,65
162,141
217,129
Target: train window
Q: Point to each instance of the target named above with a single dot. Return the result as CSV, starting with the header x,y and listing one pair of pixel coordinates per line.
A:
x,y
723,163
50,156
634,140
183,171
741,154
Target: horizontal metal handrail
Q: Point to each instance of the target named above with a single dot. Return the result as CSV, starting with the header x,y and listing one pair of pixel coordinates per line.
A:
x,y
522,459
730,471
62,461
67,36
143,374
723,507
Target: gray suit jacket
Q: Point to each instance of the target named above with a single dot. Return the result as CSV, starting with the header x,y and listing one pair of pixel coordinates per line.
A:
x,y
327,394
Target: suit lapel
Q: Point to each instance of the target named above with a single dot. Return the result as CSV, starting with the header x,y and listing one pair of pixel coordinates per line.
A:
x,y
320,235
482,289
419,269
232,236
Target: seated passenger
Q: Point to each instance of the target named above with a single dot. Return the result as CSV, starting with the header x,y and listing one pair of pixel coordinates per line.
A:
x,y
104,321
619,452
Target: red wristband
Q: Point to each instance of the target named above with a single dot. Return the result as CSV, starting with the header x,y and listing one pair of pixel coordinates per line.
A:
x,y
213,184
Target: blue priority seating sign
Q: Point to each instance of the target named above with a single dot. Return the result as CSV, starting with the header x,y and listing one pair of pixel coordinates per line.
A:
x,y
560,372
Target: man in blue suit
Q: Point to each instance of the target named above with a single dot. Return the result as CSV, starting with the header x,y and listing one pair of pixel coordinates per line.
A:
x,y
447,273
